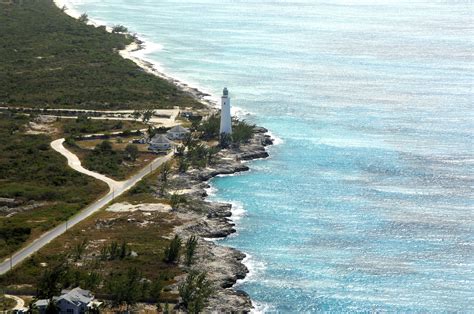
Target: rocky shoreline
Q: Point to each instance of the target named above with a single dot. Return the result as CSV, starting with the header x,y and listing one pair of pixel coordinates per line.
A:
x,y
212,220
223,265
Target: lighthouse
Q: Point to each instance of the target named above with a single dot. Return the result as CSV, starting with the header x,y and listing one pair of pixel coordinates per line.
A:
x,y
226,120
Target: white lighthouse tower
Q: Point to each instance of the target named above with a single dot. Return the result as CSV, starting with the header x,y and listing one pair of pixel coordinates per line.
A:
x,y
226,120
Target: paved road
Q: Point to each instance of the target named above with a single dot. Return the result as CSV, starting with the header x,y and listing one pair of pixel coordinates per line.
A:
x,y
116,188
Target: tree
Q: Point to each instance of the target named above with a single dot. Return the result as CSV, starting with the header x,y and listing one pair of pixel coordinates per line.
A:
x,y
172,252
242,132
92,281
165,170
132,152
147,114
119,29
79,249
124,250
113,250
151,131
198,155
136,114
195,123
195,292
125,288
180,150
156,289
83,18
104,146
188,140
191,245
183,165
50,282
209,128
211,154
176,200
70,141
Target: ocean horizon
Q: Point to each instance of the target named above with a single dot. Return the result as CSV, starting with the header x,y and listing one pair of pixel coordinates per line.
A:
x,y
366,203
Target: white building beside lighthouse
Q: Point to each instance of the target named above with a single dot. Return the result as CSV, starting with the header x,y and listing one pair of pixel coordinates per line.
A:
x,y
226,119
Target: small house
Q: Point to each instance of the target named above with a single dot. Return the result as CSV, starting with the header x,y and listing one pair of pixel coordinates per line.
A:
x,y
177,133
159,142
74,301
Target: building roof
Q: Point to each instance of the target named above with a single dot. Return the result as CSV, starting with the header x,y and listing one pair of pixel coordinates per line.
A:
x,y
42,302
160,139
178,129
76,296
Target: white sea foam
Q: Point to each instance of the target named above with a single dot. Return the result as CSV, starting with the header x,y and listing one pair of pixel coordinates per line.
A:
x,y
261,307
238,211
410,190
211,190
70,10
256,269
240,112
276,140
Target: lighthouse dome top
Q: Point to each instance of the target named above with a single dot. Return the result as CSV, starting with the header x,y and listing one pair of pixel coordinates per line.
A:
x,y
225,92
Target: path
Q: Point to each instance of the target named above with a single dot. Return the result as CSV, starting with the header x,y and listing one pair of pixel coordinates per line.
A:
x,y
116,188
20,303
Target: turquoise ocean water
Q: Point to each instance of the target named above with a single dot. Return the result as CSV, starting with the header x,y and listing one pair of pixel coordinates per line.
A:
x,y
367,202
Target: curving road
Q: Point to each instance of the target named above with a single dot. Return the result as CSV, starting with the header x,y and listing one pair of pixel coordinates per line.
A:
x,y
116,188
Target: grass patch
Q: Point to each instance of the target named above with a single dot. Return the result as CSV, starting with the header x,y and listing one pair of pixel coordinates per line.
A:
x,y
6,303
111,159
50,59
84,125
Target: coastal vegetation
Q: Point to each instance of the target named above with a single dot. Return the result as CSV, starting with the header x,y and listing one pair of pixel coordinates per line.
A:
x,y
115,160
191,245
102,254
241,131
36,185
173,250
195,291
52,60
83,125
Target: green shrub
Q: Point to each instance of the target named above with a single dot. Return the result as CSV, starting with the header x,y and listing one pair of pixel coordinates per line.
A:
x,y
191,245
173,250
195,292
119,29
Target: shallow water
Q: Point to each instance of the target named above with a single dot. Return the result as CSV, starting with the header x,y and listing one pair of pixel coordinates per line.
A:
x,y
367,204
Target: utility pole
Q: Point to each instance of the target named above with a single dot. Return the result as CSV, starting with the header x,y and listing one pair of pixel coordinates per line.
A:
x,y
11,262
66,225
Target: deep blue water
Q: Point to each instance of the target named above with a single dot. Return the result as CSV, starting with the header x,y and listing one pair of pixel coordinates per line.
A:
x,y
368,203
